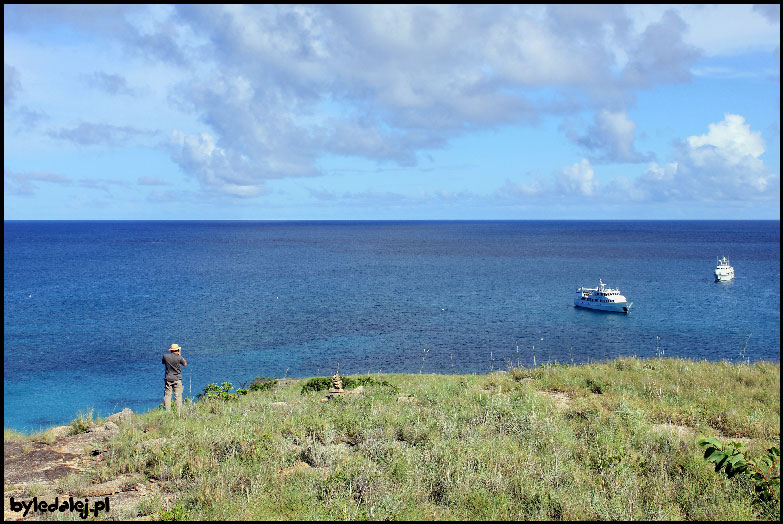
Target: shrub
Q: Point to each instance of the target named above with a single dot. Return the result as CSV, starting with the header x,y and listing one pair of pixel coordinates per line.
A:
x,y
764,471
318,384
263,384
177,512
82,423
323,383
221,392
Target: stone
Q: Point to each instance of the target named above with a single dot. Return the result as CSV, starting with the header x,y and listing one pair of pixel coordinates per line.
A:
x,y
125,414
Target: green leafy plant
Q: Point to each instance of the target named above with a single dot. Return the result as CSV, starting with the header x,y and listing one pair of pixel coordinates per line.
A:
x,y
177,512
221,392
764,470
323,383
318,384
263,383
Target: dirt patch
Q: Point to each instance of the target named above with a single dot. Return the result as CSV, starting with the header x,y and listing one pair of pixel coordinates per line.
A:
x,y
683,432
687,432
36,468
561,400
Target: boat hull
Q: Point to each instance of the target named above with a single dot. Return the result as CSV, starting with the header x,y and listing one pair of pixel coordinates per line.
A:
x,y
613,307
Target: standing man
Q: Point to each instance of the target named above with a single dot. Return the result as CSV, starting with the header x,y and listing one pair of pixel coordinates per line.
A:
x,y
173,380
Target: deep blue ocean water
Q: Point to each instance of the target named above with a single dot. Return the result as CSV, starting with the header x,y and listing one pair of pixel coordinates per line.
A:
x,y
90,307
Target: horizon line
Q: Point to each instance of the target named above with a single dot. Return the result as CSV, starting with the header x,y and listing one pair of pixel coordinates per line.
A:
x,y
391,220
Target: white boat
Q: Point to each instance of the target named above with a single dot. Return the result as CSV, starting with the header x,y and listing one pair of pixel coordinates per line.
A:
x,y
723,271
602,298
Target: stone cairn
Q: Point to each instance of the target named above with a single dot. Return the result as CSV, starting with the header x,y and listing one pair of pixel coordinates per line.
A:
x,y
337,385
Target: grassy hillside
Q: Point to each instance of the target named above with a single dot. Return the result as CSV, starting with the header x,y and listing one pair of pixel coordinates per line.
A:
x,y
613,440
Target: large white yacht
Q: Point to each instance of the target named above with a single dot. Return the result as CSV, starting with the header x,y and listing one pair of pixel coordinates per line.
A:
x,y
602,298
723,271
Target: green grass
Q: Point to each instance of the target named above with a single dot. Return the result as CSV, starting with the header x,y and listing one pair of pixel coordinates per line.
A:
x,y
611,440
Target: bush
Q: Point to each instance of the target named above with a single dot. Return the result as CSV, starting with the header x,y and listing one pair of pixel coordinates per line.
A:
x,y
764,471
82,423
177,512
318,384
221,392
263,384
324,383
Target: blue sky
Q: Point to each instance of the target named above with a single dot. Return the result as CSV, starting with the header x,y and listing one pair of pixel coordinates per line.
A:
x,y
391,112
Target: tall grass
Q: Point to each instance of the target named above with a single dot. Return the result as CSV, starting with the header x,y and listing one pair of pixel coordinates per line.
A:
x,y
611,440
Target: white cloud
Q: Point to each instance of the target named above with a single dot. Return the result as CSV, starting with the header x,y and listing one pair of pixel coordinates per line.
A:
x,y
213,166
731,141
660,54
275,88
724,164
441,72
610,139
718,29
571,183
577,179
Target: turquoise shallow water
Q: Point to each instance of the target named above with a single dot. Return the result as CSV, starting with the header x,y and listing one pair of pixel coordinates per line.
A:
x,y
89,307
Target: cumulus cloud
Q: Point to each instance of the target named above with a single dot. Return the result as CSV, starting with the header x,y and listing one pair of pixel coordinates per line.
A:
x,y
577,179
571,183
610,138
214,167
289,84
278,87
661,54
722,165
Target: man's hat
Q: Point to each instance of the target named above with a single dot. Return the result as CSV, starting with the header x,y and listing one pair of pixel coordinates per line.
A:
x,y
174,347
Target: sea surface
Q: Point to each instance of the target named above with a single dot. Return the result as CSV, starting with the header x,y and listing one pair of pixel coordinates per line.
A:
x,y
89,308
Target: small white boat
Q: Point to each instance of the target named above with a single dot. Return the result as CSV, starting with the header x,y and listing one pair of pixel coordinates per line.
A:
x,y
723,271
602,298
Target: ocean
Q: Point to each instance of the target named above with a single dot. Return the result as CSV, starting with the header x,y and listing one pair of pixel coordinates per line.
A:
x,y
90,307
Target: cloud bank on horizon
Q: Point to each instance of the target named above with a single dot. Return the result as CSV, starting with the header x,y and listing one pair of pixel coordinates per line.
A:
x,y
391,112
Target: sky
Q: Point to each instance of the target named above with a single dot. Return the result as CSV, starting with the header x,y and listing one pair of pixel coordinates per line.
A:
x,y
380,112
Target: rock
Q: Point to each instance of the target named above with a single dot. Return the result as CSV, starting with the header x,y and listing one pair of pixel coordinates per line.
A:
x,y
337,384
111,426
125,414
107,488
